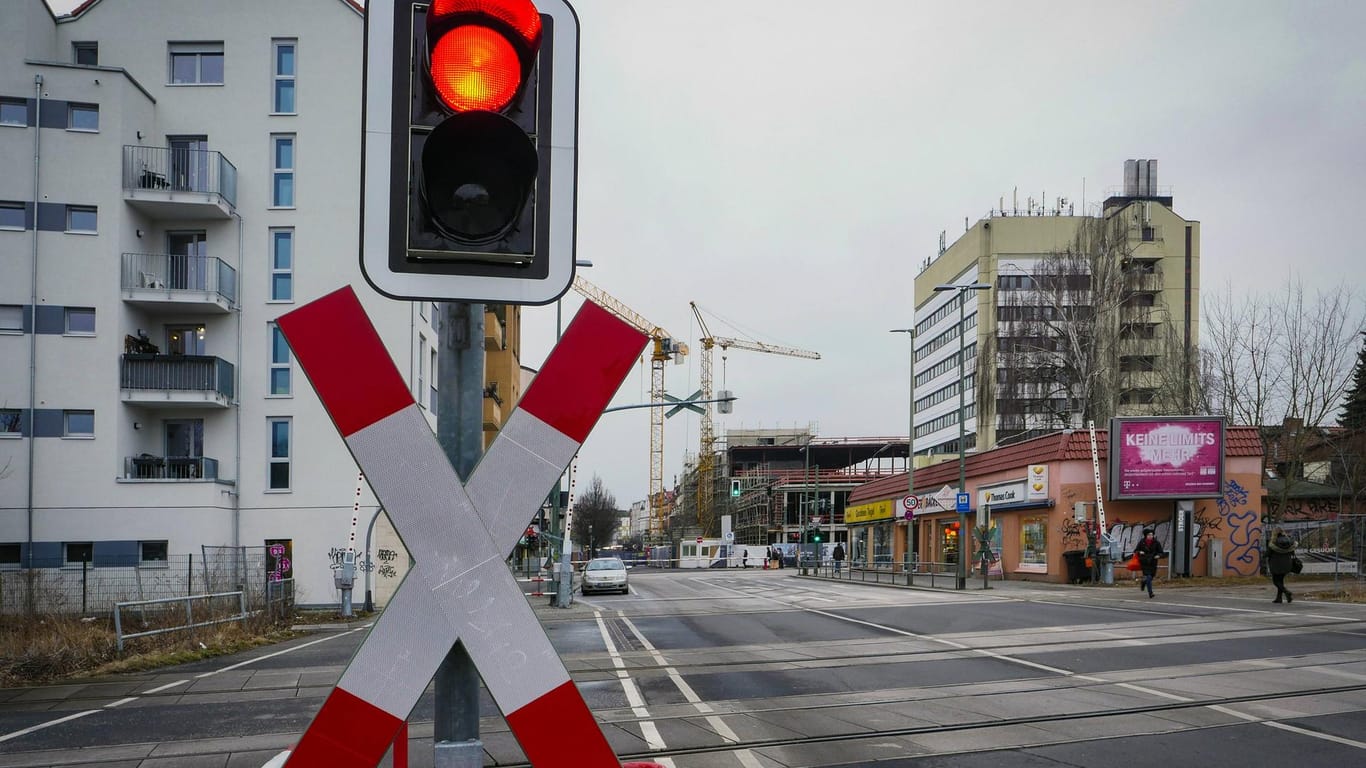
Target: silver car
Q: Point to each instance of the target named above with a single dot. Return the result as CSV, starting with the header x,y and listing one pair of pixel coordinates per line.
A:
x,y
605,574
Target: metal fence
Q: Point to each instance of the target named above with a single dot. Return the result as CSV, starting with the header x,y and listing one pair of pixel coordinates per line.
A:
x,y
86,589
209,615
924,574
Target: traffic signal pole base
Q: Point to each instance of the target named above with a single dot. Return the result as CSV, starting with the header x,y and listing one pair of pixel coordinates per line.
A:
x,y
458,754
564,588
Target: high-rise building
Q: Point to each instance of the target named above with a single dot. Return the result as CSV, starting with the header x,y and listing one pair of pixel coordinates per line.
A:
x,y
1074,318
174,176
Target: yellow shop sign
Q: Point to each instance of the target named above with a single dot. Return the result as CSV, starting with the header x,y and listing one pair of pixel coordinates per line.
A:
x,y
866,513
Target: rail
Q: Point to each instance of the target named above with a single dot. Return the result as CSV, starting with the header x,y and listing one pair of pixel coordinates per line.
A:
x,y
178,273
925,573
179,169
190,623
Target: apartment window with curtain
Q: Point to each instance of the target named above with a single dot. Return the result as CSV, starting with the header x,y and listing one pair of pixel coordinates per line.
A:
x,y
14,112
282,265
279,362
83,117
278,470
283,66
282,171
80,321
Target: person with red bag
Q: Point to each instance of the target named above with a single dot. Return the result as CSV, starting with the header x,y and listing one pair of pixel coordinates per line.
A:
x,y
1148,551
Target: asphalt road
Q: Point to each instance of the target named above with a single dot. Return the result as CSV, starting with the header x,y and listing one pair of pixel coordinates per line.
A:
x,y
763,669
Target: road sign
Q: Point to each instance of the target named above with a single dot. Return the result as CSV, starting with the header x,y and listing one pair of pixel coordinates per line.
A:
x,y
909,503
946,496
458,535
730,535
699,539
964,502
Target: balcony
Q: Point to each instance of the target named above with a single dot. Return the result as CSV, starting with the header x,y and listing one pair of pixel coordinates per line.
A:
x,y
495,338
493,415
176,381
179,183
145,466
161,282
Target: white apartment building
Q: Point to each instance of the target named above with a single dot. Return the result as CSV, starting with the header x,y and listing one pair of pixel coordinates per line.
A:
x,y
174,176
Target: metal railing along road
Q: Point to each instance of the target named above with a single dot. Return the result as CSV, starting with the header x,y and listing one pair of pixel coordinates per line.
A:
x,y
923,574
190,623
178,169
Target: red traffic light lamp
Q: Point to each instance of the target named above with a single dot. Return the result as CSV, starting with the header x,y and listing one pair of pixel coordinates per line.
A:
x,y
470,129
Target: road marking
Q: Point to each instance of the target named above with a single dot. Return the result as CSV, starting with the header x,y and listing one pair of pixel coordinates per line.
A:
x,y
1315,734
168,686
745,756
48,724
633,697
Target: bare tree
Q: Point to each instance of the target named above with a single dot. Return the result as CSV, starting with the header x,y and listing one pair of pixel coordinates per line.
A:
x,y
596,516
1082,335
1282,362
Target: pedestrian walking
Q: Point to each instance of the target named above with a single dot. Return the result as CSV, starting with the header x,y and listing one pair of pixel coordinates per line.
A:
x,y
1280,556
838,556
1148,551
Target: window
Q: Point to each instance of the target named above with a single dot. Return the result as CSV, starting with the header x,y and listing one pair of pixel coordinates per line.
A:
x,y
421,369
83,117
78,423
86,53
1033,544
278,471
279,362
10,422
14,112
196,63
81,218
12,215
74,552
282,99
153,552
80,321
431,400
282,189
282,265
9,556
11,318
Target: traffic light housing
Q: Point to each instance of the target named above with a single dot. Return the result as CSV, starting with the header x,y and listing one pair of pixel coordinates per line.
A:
x,y
469,149
734,488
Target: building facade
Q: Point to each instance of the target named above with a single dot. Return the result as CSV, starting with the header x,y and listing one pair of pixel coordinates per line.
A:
x,y
1075,317
174,176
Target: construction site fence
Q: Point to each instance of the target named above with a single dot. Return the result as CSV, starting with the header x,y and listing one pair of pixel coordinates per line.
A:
x,y
90,589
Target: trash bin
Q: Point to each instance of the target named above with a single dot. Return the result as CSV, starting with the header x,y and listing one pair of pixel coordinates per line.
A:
x,y
1077,572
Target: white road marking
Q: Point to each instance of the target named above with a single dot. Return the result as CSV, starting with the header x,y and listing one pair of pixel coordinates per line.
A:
x,y
633,698
48,724
120,702
745,756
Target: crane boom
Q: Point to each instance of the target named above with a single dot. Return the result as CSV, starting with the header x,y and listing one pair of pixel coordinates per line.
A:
x,y
705,459
664,346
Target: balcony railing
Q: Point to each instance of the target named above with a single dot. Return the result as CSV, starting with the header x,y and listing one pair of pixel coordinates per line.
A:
x,y
174,169
176,273
185,373
148,467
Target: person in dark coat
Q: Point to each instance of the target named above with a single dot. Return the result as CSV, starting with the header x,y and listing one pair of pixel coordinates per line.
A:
x,y
1280,554
838,555
1148,551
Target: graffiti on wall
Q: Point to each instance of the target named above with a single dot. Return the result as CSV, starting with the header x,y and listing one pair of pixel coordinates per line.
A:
x,y
384,568
1128,535
1244,530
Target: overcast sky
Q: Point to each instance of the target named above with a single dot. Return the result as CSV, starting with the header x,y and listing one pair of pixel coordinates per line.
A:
x,y
789,165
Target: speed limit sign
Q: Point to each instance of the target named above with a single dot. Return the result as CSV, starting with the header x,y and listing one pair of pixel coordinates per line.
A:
x,y
909,503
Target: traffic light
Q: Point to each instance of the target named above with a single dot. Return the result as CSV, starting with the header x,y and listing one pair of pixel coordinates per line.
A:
x,y
816,536
469,149
735,488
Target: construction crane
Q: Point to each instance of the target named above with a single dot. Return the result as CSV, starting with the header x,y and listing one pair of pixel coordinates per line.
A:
x,y
705,458
664,346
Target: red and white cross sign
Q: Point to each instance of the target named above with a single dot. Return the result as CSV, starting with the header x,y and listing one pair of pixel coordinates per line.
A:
x,y
458,535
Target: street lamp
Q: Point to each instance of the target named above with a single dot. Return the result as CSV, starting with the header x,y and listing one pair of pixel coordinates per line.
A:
x,y
911,544
962,290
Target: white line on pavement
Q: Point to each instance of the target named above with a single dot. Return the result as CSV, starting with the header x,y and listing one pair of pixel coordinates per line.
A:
x,y
291,649
165,687
745,756
120,702
48,724
633,698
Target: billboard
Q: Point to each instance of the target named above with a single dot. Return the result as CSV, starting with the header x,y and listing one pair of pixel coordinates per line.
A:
x,y
1166,457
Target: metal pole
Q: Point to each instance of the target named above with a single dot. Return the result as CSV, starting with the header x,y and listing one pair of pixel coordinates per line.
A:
x,y
962,437
370,566
459,417
564,586
912,535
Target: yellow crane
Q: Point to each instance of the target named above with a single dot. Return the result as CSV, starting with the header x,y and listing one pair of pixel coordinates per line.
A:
x,y
664,346
706,459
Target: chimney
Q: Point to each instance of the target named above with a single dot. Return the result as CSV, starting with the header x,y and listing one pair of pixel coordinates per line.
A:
x,y
1130,178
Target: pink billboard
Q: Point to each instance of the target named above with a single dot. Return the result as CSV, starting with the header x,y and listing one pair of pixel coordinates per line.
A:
x,y
1167,457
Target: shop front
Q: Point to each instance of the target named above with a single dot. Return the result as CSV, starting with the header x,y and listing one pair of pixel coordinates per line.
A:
x,y
875,536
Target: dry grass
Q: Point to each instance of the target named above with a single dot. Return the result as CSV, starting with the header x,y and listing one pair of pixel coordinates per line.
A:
x,y
42,649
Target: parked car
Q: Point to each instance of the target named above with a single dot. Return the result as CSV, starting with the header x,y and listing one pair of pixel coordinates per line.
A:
x,y
605,574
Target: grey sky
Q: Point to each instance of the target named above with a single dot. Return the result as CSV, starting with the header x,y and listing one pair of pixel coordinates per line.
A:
x,y
790,164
